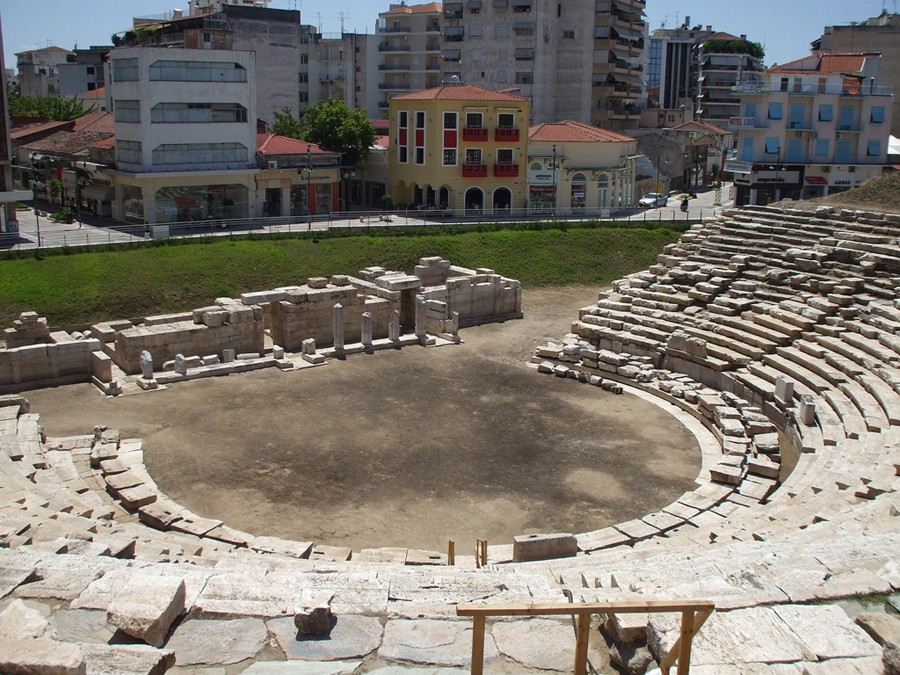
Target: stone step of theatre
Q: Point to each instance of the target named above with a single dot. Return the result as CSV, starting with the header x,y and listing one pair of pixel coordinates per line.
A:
x,y
784,365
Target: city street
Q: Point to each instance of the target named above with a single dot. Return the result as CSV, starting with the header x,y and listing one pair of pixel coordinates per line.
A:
x,y
42,232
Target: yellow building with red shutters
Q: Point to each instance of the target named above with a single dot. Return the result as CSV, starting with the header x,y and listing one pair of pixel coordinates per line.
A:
x,y
459,148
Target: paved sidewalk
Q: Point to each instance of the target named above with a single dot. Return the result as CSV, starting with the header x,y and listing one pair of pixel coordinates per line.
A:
x,y
41,232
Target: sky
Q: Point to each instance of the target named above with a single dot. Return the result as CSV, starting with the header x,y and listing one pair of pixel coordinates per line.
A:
x,y
784,27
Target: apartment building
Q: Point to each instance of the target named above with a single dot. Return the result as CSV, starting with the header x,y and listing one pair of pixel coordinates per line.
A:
x,y
343,65
459,148
724,61
878,34
8,194
571,60
814,126
409,50
39,70
185,128
84,70
274,35
671,69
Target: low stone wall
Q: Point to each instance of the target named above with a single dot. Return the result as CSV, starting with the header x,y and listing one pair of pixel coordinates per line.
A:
x,y
47,365
308,311
226,325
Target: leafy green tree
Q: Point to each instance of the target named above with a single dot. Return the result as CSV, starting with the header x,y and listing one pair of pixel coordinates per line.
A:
x,y
286,124
50,108
335,126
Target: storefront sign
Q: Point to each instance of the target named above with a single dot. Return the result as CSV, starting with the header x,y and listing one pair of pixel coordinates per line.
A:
x,y
734,166
540,178
776,177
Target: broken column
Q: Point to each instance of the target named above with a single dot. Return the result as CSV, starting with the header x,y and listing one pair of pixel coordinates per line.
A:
x,y
394,326
180,364
454,325
421,311
146,365
338,327
366,338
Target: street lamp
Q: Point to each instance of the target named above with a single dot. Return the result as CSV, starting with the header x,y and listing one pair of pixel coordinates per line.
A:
x,y
554,180
308,182
37,217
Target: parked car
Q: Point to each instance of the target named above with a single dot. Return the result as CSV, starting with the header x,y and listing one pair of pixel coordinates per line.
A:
x,y
653,199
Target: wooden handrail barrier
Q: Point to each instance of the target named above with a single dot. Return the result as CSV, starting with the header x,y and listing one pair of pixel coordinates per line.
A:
x,y
693,614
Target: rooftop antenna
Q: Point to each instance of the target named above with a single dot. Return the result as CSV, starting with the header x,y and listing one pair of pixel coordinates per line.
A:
x,y
343,15
319,17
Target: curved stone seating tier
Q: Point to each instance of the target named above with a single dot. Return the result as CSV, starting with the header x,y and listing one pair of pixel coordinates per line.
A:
x,y
774,330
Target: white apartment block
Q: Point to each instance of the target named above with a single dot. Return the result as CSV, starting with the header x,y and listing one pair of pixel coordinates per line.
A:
x,y
572,60
185,123
812,127
409,50
39,70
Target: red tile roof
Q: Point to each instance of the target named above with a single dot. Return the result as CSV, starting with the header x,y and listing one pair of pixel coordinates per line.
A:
x,y
272,144
429,8
459,92
99,121
570,131
825,63
700,125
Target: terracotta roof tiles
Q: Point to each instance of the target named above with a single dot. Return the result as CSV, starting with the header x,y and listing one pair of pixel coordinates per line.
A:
x,y
459,92
429,8
272,144
570,131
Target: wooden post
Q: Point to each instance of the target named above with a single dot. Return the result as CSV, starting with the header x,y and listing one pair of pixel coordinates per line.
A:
x,y
481,548
687,635
581,643
477,645
451,552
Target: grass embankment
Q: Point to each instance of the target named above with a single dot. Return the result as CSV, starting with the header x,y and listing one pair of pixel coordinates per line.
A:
x,y
91,286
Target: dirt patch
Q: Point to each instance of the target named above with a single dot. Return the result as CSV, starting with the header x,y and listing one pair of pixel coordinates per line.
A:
x,y
404,448
880,194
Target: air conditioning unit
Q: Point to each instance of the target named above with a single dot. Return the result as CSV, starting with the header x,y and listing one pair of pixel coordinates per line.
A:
x,y
852,169
272,164
826,169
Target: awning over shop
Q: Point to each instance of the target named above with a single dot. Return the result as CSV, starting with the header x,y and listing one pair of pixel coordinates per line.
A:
x,y
101,193
816,180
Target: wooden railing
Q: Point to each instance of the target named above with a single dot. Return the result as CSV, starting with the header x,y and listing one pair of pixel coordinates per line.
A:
x,y
693,614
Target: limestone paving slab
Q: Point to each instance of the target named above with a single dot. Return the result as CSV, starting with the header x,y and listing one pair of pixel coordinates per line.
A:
x,y
41,656
85,626
433,642
827,631
147,607
127,660
302,668
537,643
20,622
206,642
352,637
754,635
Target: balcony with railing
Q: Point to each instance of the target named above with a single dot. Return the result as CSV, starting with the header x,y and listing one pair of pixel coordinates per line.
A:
x,y
812,89
396,29
474,170
475,134
506,170
506,135
393,47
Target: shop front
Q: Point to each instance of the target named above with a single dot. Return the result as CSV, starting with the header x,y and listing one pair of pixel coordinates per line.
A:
x,y
765,184
298,192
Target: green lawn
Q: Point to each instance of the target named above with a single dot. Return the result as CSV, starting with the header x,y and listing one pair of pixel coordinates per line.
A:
x,y
85,287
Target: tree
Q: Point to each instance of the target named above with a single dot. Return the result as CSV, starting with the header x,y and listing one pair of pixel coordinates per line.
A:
x,y
50,108
336,127
286,124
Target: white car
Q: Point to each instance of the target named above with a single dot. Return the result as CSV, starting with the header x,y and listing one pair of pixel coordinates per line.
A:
x,y
653,199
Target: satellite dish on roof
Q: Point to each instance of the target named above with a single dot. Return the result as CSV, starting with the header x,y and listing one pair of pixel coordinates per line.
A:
x,y
454,79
